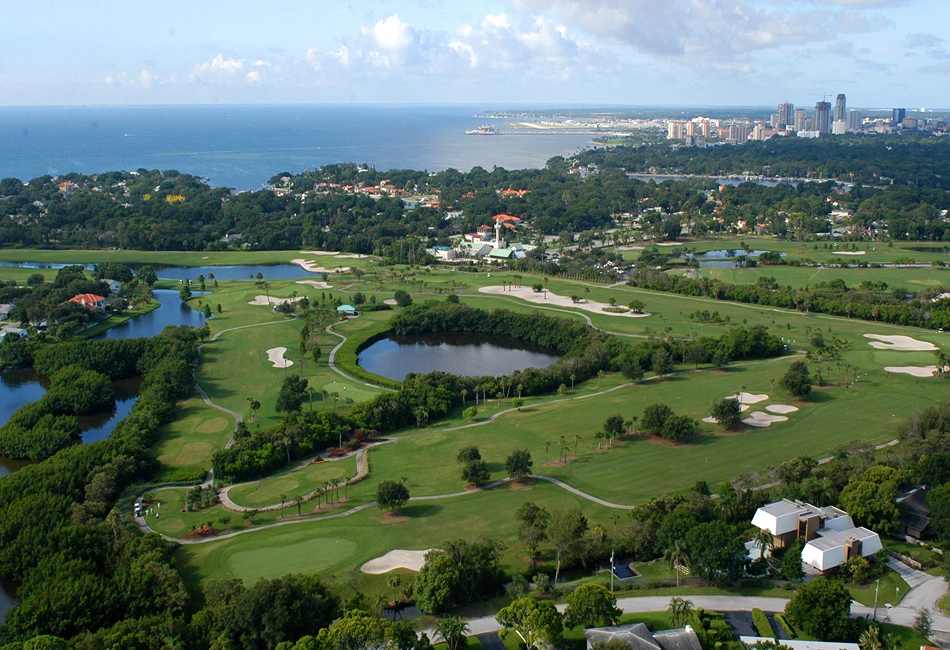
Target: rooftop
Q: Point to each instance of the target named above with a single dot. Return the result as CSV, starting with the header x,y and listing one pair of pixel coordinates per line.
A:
x,y
829,539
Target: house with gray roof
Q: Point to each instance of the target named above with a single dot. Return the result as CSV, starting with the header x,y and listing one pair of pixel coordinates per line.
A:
x,y
639,637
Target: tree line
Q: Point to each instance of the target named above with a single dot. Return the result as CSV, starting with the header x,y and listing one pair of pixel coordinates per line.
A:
x,y
868,301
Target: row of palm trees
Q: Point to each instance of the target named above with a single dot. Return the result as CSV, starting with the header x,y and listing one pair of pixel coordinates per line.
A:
x,y
330,488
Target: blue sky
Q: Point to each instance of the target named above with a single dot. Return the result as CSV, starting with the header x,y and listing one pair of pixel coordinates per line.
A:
x,y
494,52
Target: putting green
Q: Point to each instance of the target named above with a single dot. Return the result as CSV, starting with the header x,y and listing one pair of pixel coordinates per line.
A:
x,y
307,556
214,425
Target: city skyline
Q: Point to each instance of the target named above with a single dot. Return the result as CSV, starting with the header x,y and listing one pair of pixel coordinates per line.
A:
x,y
502,52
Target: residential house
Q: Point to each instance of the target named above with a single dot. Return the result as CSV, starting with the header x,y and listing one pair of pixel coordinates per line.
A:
x,y
12,330
638,637
114,286
916,514
442,252
798,644
830,534
5,310
89,301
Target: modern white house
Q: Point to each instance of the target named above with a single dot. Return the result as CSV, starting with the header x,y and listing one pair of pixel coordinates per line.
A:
x,y
830,534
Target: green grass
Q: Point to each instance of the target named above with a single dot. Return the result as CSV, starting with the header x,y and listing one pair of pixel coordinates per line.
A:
x,y
338,547
175,258
655,569
194,435
906,637
922,554
312,477
892,590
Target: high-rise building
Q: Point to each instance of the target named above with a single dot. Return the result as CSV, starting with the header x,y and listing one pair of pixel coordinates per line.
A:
x,y
801,119
854,120
675,131
786,115
898,115
841,108
839,127
823,117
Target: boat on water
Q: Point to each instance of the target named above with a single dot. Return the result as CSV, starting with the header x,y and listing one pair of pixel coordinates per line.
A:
x,y
484,129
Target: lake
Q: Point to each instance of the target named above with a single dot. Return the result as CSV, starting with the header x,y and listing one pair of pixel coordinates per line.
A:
x,y
467,355
240,272
20,387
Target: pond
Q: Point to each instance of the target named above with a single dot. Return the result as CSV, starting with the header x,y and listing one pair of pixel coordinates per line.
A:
x,y
20,387
727,253
467,354
240,272
171,311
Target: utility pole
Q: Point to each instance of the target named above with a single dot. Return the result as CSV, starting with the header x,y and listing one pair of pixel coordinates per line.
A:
x,y
611,571
877,585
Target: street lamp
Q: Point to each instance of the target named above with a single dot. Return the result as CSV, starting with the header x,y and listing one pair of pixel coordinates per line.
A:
x,y
877,586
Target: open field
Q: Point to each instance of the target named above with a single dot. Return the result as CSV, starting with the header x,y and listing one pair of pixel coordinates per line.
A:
x,y
174,258
339,547
235,367
312,477
914,279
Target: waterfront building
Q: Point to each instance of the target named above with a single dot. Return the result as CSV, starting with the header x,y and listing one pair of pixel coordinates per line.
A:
x,y
786,115
822,117
801,119
841,108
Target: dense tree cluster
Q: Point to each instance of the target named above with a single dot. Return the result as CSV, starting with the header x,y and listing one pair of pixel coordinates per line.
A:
x,y
78,569
868,301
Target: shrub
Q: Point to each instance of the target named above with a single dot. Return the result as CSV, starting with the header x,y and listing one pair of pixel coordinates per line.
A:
x,y
761,622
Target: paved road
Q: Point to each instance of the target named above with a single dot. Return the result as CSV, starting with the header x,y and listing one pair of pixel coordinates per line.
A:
x,y
911,576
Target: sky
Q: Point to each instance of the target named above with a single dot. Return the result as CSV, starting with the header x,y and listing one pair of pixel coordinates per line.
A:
x,y
495,53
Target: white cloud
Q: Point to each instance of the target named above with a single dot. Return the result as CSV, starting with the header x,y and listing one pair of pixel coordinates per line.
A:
x,y
219,68
391,33
711,27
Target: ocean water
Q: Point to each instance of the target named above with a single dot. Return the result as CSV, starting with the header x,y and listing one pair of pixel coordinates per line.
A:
x,y
244,146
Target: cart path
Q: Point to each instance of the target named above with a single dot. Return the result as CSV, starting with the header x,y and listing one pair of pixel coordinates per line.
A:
x,y
331,361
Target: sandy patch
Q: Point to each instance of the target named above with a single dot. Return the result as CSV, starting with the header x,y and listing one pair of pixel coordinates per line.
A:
x,y
711,420
206,257
311,266
760,419
670,243
319,252
850,252
397,559
899,343
390,301
916,371
554,300
276,357
264,300
749,398
781,409
316,284
348,256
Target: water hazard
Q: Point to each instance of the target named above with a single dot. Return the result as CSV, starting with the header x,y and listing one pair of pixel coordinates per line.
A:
x,y
472,355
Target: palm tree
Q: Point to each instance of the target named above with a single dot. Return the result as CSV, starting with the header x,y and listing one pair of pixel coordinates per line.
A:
x,y
764,540
562,441
586,293
283,499
298,501
393,581
573,377
547,446
680,610
600,375
452,630
464,394
677,556
577,439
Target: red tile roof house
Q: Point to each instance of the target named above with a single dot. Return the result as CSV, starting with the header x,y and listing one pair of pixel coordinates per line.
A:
x,y
89,301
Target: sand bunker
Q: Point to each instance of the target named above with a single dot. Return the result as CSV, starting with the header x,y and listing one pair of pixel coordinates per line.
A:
x,y
760,419
850,252
349,256
749,398
781,409
899,343
670,243
916,371
311,266
554,300
276,357
319,252
397,559
316,284
390,301
264,300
